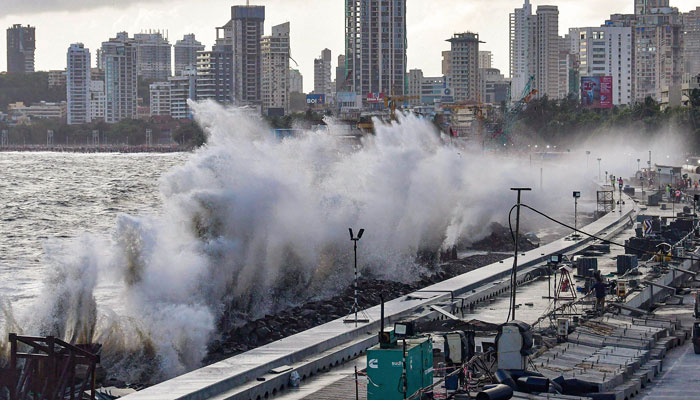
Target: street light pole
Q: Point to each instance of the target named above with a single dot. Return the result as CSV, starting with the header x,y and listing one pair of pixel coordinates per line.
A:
x,y
588,155
514,276
356,306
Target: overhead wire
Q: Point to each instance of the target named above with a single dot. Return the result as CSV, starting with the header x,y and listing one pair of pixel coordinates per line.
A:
x,y
642,251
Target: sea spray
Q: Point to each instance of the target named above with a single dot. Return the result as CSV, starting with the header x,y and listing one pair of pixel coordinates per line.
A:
x,y
252,224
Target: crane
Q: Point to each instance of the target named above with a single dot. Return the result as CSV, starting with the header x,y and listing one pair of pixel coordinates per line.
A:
x,y
510,116
390,101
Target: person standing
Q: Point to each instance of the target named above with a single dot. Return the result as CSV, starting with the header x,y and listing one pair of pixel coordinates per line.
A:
x,y
600,291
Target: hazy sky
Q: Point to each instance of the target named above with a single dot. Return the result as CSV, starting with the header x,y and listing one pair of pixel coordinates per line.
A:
x,y
315,24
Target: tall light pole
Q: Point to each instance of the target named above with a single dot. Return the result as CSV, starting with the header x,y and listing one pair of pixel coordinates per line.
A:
x,y
356,306
514,276
599,168
588,154
576,197
638,167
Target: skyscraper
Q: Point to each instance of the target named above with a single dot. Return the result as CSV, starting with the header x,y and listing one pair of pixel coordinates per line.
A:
x,y
153,56
522,44
186,53
606,51
215,68
20,48
464,69
245,31
78,84
691,42
322,73
119,56
275,69
375,46
534,51
547,52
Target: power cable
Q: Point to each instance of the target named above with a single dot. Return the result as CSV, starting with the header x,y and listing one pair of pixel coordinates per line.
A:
x,y
601,239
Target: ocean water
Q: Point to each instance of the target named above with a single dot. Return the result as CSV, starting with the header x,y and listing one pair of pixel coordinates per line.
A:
x,y
50,197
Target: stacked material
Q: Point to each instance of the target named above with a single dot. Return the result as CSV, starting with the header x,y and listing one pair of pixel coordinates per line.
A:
x,y
616,355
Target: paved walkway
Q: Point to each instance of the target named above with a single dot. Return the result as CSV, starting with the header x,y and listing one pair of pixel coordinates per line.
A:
x,y
681,376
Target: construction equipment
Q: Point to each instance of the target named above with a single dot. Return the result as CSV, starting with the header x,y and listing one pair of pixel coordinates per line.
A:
x,y
390,101
510,116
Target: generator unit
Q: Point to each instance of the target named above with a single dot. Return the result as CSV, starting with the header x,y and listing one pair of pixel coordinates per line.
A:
x,y
513,345
385,368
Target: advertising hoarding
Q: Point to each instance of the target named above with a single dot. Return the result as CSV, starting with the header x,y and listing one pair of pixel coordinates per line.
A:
x,y
315,99
597,91
375,97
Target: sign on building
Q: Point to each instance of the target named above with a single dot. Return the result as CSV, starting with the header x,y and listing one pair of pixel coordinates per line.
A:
x,y
313,99
597,91
375,97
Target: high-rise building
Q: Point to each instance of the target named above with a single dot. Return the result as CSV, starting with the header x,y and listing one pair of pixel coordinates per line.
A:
x,y
119,55
296,81
322,73
534,51
485,59
182,88
21,44
522,48
275,69
691,42
186,53
464,75
547,52
375,46
645,6
341,75
97,99
215,68
415,84
606,51
243,35
78,84
153,56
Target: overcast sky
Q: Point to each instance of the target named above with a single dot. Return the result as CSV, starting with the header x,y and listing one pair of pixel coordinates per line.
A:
x,y
315,24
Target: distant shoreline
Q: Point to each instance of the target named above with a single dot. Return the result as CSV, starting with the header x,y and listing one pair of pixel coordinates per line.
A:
x,y
95,149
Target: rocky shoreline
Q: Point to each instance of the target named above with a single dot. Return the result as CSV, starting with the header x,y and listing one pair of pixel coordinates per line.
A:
x,y
274,327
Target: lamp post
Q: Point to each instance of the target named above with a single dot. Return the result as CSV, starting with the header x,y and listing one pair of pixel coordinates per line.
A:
x,y
588,154
599,169
355,306
514,276
576,197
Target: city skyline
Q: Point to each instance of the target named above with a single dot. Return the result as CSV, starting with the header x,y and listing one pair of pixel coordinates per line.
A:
x,y
428,26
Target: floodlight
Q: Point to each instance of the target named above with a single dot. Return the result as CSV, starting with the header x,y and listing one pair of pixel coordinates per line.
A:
x,y
359,234
577,195
400,329
351,235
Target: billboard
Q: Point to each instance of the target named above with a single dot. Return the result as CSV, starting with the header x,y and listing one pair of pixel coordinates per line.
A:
x,y
312,99
346,97
375,97
597,91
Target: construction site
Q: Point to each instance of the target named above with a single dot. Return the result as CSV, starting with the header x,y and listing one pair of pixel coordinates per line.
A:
x,y
528,327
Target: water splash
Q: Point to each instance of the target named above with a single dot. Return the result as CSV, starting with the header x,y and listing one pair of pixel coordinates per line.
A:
x,y
253,224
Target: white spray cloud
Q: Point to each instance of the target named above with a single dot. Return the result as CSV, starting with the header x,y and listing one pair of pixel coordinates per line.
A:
x,y
257,224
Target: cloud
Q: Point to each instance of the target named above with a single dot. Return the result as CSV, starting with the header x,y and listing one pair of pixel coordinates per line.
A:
x,y
19,7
